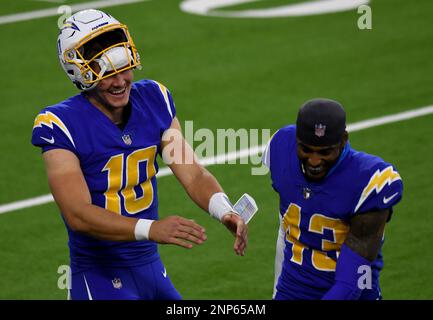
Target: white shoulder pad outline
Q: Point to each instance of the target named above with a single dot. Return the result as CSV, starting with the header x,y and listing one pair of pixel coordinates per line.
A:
x,y
377,182
266,155
164,92
48,119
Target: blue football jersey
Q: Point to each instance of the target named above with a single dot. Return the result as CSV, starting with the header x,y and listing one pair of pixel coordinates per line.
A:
x,y
315,216
119,165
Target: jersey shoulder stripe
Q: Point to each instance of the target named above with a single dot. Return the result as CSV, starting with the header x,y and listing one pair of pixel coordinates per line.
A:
x,y
164,92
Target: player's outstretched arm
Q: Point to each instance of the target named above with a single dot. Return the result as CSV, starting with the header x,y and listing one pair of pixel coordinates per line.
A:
x,y
200,184
72,195
360,249
177,230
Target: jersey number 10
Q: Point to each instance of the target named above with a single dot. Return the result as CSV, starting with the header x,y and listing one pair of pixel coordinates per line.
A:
x,y
118,168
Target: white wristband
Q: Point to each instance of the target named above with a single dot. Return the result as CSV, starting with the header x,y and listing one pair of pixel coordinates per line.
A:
x,y
219,205
142,229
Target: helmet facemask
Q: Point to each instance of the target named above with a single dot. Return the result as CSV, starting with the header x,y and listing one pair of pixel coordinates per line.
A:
x,y
103,53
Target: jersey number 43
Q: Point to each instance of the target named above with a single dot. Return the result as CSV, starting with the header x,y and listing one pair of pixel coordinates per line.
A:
x,y
317,224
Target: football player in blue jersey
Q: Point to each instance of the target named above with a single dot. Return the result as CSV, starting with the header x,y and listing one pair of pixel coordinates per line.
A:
x,y
334,204
100,149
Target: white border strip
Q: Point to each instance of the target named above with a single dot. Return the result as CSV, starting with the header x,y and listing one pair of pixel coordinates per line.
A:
x,y
31,15
239,154
26,203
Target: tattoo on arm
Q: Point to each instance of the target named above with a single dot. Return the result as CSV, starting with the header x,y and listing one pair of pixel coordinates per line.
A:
x,y
366,232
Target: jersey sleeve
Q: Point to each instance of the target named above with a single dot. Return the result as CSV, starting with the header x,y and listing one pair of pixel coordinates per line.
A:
x,y
383,190
50,132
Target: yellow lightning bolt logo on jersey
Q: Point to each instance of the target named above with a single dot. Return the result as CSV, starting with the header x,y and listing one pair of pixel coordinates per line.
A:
x,y
49,119
377,182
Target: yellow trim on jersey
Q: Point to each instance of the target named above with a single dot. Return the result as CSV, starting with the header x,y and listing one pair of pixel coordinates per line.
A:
x,y
49,119
377,182
164,92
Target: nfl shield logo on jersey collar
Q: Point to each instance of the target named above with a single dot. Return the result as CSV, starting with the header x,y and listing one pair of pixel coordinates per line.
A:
x,y
127,139
306,192
319,130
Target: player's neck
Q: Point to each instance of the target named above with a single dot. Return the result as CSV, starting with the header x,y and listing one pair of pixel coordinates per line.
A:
x,y
118,115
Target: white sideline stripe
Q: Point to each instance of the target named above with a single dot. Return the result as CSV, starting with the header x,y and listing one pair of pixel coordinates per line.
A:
x,y
240,154
53,11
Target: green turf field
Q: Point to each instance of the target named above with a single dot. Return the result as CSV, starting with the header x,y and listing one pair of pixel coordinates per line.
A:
x,y
230,73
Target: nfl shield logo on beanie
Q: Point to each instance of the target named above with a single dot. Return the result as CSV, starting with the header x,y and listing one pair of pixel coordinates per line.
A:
x,y
319,130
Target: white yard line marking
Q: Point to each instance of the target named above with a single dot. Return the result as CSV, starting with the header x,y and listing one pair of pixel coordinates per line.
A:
x,y
31,15
51,1
26,203
239,154
304,8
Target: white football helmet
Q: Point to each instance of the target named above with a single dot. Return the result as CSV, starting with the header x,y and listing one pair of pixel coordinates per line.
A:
x,y
92,46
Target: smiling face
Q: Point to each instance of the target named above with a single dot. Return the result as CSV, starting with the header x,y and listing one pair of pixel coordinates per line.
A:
x,y
112,93
317,161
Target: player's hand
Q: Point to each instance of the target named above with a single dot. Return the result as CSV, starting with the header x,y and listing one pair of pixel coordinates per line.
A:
x,y
177,230
239,229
